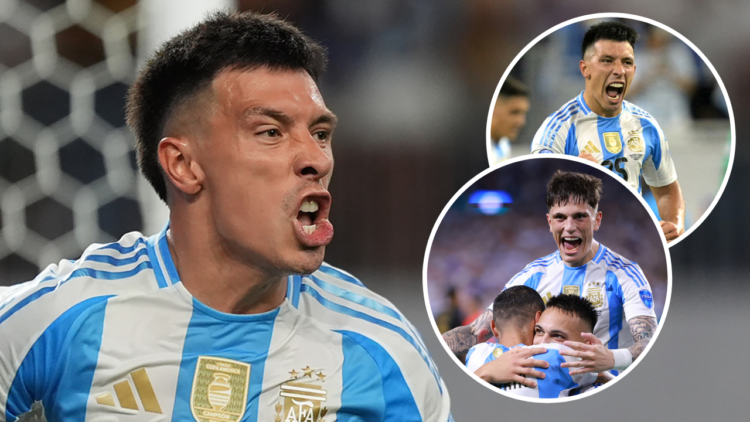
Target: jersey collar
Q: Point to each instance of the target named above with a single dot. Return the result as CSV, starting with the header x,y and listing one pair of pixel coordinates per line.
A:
x,y
161,259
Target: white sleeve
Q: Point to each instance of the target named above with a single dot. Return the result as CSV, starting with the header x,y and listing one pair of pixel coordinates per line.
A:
x,y
549,139
637,297
658,169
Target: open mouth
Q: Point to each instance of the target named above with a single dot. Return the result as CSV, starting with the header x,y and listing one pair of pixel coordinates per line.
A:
x,y
308,214
313,227
614,90
571,245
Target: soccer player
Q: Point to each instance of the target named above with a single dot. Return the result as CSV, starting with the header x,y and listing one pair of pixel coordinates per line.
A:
x,y
229,313
508,118
583,267
520,318
600,126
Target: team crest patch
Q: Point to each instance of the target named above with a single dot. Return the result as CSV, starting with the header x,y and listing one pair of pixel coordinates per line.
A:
x,y
646,298
301,399
612,142
636,144
219,389
595,295
497,352
571,290
546,151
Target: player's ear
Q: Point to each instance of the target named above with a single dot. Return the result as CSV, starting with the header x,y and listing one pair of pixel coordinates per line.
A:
x,y
537,316
584,69
176,159
598,220
495,331
549,221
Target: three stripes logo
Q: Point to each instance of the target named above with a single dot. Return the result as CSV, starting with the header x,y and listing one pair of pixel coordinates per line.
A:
x,y
591,148
126,397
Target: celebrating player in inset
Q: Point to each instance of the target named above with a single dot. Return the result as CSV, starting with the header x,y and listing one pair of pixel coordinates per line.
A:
x,y
600,126
229,313
583,267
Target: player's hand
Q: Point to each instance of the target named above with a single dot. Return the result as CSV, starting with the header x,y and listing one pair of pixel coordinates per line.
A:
x,y
512,365
595,357
588,156
670,230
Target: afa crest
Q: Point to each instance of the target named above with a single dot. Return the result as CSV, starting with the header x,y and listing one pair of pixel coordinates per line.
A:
x,y
497,352
636,144
612,142
595,294
302,400
219,389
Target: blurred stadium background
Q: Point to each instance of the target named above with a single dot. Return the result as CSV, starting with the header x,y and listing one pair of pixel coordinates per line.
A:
x,y
412,82
671,82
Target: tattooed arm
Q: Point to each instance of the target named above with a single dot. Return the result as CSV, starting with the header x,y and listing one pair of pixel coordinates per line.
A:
x,y
642,328
460,339
596,357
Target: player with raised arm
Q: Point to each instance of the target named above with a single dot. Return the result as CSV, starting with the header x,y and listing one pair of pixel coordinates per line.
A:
x,y
229,313
583,267
600,126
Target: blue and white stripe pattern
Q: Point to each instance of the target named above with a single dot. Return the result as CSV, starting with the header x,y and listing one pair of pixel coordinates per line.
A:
x,y
557,381
630,144
82,327
616,286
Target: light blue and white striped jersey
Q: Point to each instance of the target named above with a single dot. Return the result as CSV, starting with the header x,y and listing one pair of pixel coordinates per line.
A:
x,y
614,285
500,150
629,144
116,336
557,381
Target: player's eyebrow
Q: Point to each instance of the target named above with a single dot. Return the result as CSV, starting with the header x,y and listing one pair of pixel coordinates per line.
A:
x,y
282,117
328,118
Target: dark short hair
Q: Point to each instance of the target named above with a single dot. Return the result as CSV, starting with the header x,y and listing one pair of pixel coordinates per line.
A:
x,y
187,64
571,187
613,31
516,306
512,87
576,306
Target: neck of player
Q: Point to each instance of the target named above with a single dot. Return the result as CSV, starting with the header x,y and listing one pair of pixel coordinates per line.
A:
x,y
217,279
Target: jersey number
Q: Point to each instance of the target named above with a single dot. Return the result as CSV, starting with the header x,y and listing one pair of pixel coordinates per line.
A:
x,y
618,166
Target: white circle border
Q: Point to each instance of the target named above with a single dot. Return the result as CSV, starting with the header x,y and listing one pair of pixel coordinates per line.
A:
x,y
730,112
428,307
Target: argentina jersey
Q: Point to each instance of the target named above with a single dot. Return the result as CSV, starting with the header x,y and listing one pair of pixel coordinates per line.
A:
x,y
616,287
116,336
631,144
557,381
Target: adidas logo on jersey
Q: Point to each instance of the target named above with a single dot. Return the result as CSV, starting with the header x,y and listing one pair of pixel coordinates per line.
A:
x,y
126,397
591,148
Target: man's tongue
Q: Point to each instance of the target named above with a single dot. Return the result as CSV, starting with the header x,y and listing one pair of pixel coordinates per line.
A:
x,y
570,245
612,92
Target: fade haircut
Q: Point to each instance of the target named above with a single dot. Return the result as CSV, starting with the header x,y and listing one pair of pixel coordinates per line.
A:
x,y
185,66
575,188
515,306
512,87
613,31
575,306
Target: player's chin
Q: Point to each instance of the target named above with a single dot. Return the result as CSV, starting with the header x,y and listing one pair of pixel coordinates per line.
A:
x,y
308,260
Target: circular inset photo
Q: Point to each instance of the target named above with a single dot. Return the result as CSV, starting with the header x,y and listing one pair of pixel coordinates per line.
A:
x,y
631,95
547,278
